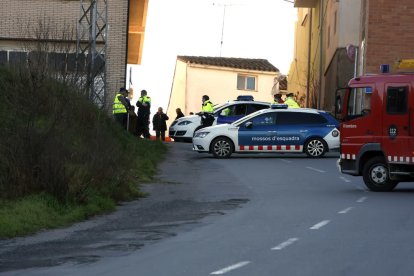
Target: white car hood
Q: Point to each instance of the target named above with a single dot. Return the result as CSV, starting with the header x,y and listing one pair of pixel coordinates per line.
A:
x,y
191,118
217,128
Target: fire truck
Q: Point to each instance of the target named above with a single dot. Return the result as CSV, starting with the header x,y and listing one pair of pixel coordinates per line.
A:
x,y
377,128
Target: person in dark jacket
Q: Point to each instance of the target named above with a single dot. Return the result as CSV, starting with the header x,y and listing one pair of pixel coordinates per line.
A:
x,y
143,115
159,124
179,113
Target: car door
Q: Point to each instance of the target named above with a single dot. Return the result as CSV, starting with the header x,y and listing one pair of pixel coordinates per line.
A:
x,y
257,133
291,131
396,122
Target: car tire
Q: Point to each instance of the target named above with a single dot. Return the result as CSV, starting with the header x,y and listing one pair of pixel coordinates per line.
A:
x,y
376,175
315,147
222,147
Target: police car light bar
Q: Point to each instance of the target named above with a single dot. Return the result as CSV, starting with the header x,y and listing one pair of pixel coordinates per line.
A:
x,y
245,98
279,106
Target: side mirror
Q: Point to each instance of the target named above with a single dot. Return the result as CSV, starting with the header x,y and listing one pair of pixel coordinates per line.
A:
x,y
248,125
338,105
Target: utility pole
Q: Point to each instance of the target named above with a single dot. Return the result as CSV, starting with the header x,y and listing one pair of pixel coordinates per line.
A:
x,y
92,30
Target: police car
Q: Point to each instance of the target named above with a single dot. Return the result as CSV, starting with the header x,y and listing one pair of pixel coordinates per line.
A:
x,y
183,129
277,129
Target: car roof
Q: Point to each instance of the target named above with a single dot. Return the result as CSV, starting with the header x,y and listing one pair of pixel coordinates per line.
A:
x,y
244,102
303,110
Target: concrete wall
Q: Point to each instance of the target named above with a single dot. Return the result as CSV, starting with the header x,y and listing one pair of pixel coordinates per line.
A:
x,y
192,81
178,91
220,84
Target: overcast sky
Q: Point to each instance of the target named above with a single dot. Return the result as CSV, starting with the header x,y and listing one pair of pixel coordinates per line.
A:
x,y
252,29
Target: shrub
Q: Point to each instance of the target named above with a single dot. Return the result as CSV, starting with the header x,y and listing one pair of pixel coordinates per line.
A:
x,y
54,141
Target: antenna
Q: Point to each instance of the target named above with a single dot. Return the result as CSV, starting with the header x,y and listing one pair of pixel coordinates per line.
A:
x,y
222,24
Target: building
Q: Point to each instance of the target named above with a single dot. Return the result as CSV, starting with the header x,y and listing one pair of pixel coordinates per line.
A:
x,y
387,33
221,78
336,40
341,36
55,21
304,72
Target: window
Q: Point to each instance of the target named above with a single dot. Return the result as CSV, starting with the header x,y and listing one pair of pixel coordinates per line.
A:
x,y
17,58
3,57
255,107
245,82
397,100
299,118
359,102
266,119
234,110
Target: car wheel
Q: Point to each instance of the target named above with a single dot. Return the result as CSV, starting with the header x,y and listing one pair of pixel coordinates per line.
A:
x,y
315,147
222,147
376,175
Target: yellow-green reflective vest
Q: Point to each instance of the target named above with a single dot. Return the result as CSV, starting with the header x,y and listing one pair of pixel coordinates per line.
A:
x,y
291,103
207,107
118,107
144,99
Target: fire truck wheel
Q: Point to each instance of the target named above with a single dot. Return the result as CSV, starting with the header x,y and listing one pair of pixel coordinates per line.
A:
x,y
315,147
376,176
222,147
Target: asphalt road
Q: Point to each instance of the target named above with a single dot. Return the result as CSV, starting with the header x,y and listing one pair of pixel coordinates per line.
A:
x,y
262,215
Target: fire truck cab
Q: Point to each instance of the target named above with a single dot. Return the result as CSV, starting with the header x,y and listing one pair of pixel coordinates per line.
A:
x,y
377,129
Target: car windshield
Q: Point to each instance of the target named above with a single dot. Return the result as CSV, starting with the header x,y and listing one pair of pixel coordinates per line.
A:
x,y
219,106
248,117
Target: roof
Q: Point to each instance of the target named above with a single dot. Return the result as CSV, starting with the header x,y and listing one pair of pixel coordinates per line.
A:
x,y
239,63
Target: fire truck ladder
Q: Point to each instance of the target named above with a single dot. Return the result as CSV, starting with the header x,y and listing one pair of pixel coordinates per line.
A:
x,y
91,46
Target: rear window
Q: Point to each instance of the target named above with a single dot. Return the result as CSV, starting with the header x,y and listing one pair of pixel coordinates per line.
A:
x,y
300,118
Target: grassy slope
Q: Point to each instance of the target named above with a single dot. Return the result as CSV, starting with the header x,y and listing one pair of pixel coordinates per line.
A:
x,y
61,159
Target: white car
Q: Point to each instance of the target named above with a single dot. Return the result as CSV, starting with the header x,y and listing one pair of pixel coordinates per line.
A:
x,y
277,129
183,129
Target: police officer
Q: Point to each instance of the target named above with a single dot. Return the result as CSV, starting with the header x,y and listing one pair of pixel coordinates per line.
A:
x,y
278,99
143,115
207,109
290,101
207,105
120,107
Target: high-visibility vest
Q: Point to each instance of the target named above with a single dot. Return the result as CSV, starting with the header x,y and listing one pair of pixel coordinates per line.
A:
x,y
291,103
144,99
207,107
118,107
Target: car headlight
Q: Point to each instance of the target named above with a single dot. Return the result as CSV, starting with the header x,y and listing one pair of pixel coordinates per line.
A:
x,y
335,133
201,134
184,123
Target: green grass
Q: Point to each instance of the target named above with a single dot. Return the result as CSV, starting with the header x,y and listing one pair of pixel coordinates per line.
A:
x,y
33,213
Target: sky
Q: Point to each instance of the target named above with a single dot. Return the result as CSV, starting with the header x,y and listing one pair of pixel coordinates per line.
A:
x,y
251,29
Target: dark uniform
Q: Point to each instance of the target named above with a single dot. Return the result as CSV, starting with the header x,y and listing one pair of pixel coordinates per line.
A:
x,y
143,115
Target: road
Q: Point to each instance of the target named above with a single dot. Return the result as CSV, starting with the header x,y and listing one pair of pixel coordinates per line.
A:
x,y
262,215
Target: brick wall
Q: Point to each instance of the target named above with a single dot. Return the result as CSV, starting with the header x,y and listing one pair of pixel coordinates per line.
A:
x,y
390,32
16,15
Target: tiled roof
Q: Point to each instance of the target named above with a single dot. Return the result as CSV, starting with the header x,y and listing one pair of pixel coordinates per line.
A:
x,y
239,63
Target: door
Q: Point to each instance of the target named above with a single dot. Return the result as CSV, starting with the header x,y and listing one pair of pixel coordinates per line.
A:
x,y
292,130
258,133
396,124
